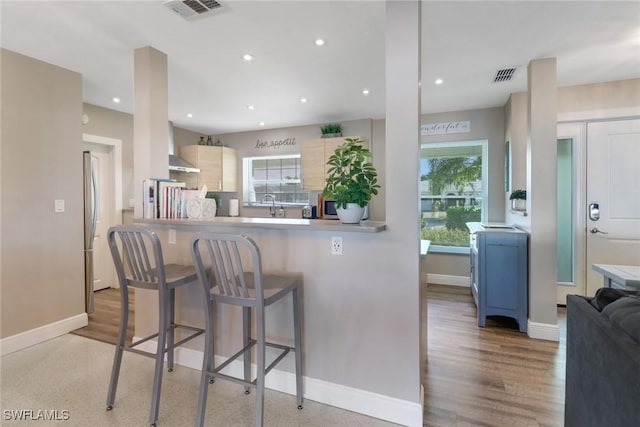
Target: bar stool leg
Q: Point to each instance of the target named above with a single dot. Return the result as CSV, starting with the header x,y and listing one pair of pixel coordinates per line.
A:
x,y
260,359
298,344
162,341
117,359
208,363
246,336
170,328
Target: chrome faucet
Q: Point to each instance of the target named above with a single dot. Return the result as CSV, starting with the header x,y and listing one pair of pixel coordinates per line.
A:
x,y
272,208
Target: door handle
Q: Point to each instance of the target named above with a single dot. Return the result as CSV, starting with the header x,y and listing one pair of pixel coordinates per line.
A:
x,y
594,230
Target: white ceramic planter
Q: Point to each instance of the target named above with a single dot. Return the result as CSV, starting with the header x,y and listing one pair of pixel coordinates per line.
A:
x,y
519,205
352,214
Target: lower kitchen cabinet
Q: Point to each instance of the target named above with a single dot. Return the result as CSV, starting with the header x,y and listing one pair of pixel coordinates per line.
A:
x,y
499,272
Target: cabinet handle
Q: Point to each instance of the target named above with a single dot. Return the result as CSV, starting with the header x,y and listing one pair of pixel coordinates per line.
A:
x,y
219,185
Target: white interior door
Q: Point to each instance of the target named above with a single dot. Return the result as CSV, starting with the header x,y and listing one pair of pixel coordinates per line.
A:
x,y
101,162
613,190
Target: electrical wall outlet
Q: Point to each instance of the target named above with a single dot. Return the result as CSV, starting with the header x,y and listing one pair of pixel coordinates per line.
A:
x,y
336,245
172,236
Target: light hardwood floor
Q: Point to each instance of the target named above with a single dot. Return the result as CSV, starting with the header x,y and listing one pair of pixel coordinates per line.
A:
x,y
104,322
492,376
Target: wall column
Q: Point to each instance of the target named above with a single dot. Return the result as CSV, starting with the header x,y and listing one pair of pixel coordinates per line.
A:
x,y
150,120
402,172
541,198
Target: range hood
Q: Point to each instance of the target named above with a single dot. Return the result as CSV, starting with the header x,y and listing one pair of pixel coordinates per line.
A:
x,y
176,164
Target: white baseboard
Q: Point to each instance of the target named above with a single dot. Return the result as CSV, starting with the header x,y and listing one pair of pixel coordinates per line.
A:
x,y
445,279
367,403
42,333
543,331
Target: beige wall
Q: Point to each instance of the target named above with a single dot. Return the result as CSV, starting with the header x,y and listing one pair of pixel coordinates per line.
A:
x,y
42,278
542,148
599,101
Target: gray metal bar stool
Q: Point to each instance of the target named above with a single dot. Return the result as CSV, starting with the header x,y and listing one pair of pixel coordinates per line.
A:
x,y
229,283
137,256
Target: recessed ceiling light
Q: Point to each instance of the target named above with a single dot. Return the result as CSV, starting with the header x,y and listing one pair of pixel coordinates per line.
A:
x,y
319,42
189,115
247,57
250,107
365,91
116,99
261,123
303,100
438,81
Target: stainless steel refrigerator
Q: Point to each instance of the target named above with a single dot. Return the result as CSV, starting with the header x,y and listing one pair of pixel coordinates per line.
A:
x,y
90,217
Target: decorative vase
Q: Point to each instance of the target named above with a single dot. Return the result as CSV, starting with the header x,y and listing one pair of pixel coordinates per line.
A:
x,y
352,214
209,208
519,204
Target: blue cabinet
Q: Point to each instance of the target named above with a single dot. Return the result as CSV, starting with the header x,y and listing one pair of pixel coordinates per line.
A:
x,y
499,275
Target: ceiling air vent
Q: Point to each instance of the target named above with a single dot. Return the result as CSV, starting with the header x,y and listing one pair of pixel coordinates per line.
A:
x,y
504,75
191,9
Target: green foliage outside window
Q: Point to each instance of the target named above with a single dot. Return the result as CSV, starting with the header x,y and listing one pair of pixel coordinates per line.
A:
x,y
456,171
446,237
455,191
458,216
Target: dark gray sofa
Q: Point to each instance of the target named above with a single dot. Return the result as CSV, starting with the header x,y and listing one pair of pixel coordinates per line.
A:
x,y
603,362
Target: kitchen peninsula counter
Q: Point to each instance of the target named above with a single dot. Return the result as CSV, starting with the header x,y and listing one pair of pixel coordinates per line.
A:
x,y
349,301
269,223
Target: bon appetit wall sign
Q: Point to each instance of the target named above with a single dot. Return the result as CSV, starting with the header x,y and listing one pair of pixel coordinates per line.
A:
x,y
275,144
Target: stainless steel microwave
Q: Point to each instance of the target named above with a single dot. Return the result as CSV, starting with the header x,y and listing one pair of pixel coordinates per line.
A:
x,y
329,209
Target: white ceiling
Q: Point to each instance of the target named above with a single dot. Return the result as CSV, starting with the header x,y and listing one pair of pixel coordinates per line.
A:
x,y
464,43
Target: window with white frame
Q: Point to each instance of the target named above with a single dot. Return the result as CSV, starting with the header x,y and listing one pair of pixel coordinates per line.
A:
x,y
453,179
278,176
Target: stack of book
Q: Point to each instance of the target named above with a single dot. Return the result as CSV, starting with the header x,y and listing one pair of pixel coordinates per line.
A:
x,y
163,198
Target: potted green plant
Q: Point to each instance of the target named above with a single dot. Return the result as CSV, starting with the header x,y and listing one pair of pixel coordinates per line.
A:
x,y
331,130
518,200
351,180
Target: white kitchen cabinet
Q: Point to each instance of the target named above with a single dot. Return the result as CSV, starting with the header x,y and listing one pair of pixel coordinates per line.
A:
x,y
218,167
314,154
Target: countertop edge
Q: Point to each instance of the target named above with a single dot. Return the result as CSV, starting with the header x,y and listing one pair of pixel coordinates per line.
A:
x,y
269,223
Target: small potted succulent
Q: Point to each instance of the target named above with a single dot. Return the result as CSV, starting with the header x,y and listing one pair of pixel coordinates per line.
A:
x,y
351,180
331,130
518,200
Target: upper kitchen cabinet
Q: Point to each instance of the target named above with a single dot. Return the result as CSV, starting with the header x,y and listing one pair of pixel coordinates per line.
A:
x,y
218,167
314,155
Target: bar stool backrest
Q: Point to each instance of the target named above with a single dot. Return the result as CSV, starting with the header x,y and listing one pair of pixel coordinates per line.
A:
x,y
223,253
137,254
